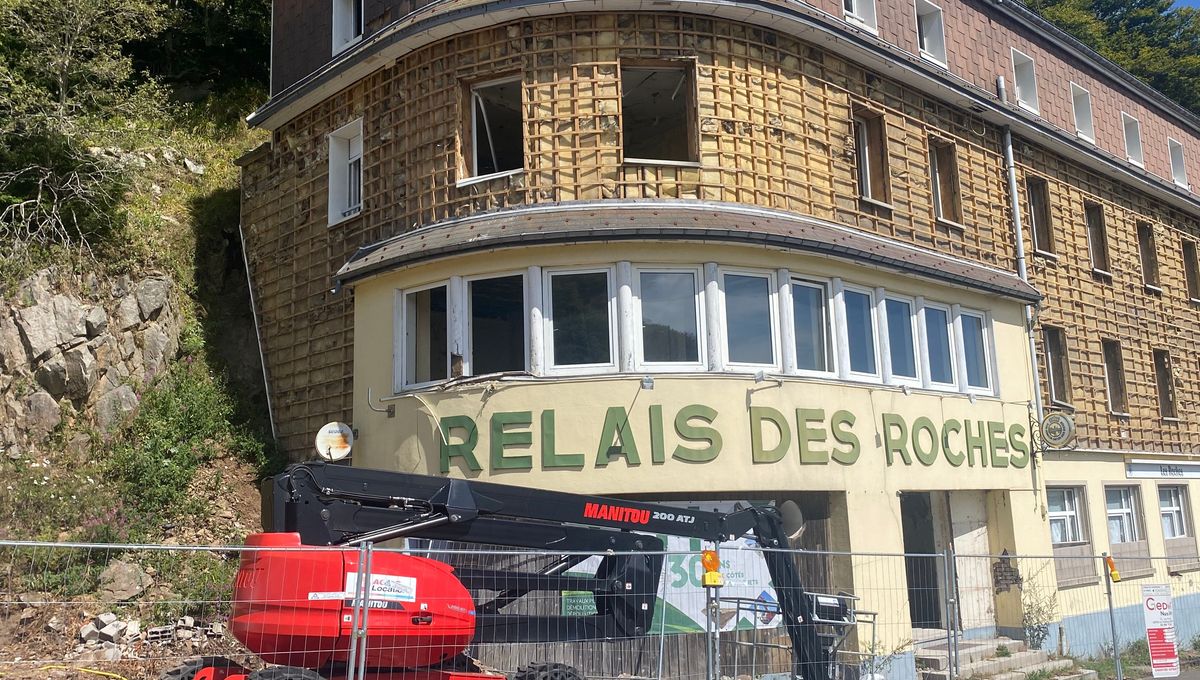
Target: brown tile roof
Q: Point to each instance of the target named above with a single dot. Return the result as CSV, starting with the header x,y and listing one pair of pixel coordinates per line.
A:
x,y
674,221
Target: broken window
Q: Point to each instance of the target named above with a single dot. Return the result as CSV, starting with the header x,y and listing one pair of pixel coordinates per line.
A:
x,y
1037,192
943,170
1114,377
658,113
870,143
1165,384
1148,253
496,139
347,23
1097,236
497,324
426,336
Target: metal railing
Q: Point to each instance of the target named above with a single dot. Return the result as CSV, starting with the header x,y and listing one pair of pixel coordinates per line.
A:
x,y
137,611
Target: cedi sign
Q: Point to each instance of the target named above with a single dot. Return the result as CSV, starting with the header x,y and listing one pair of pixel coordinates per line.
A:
x,y
696,433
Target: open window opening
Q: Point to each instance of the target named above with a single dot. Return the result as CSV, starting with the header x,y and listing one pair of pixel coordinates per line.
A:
x,y
497,324
1133,138
1037,192
1025,80
1149,254
1191,270
345,172
871,153
1097,236
931,37
658,113
1081,104
943,170
496,138
1059,371
1114,377
426,337
1178,166
1165,384
347,23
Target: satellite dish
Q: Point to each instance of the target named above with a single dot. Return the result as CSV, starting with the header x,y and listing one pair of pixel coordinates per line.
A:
x,y
334,441
793,519
1058,430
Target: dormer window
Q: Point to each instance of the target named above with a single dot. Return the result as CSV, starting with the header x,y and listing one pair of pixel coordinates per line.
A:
x,y
347,23
1133,139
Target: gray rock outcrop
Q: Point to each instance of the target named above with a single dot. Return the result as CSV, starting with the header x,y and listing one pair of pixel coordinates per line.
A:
x,y
81,348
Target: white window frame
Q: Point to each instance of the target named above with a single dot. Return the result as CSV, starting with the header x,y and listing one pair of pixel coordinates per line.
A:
x,y
831,354
1138,159
340,143
927,361
469,359
863,15
345,34
474,160
701,364
985,321
1179,508
1020,90
940,42
773,304
1072,515
401,350
843,330
890,376
1088,132
548,321
1178,163
1129,513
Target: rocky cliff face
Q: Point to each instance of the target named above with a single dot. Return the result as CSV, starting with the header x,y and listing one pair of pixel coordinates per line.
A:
x,y
78,349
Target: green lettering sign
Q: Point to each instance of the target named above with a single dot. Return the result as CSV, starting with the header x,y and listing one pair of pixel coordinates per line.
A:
x,y
924,429
895,438
955,458
842,422
464,450
697,433
807,436
551,458
758,454
501,438
616,439
1016,439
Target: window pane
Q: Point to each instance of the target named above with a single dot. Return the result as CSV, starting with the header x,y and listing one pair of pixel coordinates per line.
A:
x,y
426,341
498,325
748,319
860,327
1058,531
900,338
937,334
808,311
579,304
1057,500
669,326
975,351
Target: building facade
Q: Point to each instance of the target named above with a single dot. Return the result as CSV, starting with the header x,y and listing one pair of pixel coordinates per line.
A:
x,y
840,255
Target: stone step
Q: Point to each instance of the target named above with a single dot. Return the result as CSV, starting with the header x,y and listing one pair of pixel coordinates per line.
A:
x,y
969,651
1055,667
990,666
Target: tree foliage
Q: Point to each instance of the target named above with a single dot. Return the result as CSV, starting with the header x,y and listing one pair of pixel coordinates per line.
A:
x,y
1154,41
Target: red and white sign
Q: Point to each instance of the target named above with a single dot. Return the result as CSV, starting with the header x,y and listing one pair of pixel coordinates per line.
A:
x,y
1158,609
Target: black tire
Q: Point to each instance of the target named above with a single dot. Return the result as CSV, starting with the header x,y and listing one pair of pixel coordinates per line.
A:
x,y
189,668
285,673
547,671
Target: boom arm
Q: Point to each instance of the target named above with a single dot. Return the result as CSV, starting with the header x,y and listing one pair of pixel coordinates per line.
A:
x,y
341,505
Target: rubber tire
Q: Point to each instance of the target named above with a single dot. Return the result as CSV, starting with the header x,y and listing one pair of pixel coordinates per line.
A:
x,y
547,671
188,669
285,673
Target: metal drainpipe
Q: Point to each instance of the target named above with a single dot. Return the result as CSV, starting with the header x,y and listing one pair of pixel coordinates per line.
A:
x,y
262,359
1010,167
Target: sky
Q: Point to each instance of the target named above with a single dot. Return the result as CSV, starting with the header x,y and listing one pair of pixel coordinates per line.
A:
x,y
1187,3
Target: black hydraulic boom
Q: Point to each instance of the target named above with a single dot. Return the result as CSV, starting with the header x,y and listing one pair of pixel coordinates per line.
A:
x,y
341,505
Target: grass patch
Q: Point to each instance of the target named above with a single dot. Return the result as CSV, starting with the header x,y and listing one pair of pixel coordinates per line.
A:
x,y
1137,654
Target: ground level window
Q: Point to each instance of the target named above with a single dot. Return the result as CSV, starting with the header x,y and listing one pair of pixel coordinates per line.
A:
x,y
860,331
1172,504
938,345
426,319
748,319
975,350
1121,505
580,319
901,344
811,320
1065,526
670,329
497,317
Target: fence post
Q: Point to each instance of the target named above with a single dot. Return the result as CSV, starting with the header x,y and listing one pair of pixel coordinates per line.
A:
x,y
947,567
1112,617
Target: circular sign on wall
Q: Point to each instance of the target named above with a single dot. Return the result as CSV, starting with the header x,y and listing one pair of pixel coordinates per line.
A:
x,y
334,441
1058,429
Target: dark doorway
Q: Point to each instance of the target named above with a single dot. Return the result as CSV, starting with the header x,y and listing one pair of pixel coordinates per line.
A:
x,y
920,562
